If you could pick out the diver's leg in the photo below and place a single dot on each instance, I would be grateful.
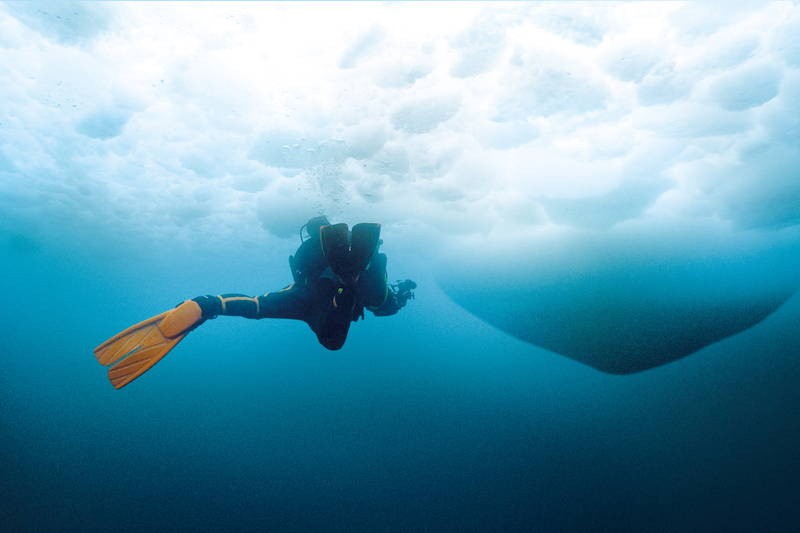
(332, 314)
(293, 302)
(312, 304)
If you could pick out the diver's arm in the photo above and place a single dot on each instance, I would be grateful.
(397, 296)
(390, 306)
(377, 295)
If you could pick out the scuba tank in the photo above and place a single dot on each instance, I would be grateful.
(308, 261)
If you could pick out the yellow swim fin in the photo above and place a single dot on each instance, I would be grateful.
(139, 347)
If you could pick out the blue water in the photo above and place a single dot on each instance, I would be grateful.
(427, 421)
(615, 182)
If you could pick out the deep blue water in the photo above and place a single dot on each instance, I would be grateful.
(617, 183)
(426, 421)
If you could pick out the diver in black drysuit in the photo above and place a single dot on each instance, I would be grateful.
(325, 294)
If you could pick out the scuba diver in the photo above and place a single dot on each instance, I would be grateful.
(337, 274)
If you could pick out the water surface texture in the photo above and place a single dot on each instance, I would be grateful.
(600, 203)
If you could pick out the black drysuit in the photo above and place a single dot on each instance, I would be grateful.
(317, 296)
